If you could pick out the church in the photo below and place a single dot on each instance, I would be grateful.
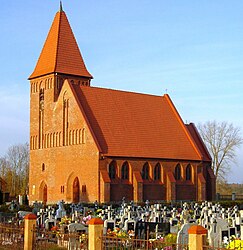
(92, 144)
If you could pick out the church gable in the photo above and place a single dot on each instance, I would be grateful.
(75, 129)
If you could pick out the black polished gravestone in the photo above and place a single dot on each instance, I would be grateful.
(110, 225)
(225, 233)
(144, 229)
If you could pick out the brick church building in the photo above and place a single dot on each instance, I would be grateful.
(89, 143)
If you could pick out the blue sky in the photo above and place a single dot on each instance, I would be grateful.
(192, 50)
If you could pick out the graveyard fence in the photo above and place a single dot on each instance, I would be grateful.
(229, 197)
(233, 245)
(43, 239)
(11, 237)
(116, 243)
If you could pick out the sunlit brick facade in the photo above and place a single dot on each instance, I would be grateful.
(89, 143)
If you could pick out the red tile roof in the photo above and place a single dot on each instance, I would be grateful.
(136, 125)
(199, 142)
(60, 53)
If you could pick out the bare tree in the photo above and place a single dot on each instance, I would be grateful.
(16, 163)
(222, 139)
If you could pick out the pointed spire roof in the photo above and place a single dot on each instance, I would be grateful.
(60, 53)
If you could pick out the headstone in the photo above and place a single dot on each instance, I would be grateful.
(61, 212)
(182, 236)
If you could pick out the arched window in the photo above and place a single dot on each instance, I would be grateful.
(60, 139)
(51, 140)
(112, 170)
(43, 167)
(76, 137)
(80, 136)
(125, 171)
(76, 190)
(73, 137)
(48, 140)
(70, 137)
(178, 172)
(54, 139)
(145, 171)
(188, 172)
(83, 136)
(157, 172)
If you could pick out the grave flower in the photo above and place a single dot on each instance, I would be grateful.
(65, 220)
(131, 233)
(86, 219)
(235, 244)
(225, 241)
(54, 229)
(122, 234)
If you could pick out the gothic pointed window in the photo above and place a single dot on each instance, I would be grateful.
(157, 172)
(41, 117)
(188, 172)
(76, 190)
(125, 171)
(41, 98)
(112, 170)
(65, 121)
(145, 171)
(83, 136)
(178, 172)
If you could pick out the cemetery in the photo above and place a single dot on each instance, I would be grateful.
(126, 225)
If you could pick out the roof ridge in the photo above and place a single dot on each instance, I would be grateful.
(183, 125)
(125, 91)
(58, 35)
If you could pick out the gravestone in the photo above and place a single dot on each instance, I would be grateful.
(61, 212)
(182, 236)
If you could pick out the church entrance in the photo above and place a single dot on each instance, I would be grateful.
(76, 190)
(44, 194)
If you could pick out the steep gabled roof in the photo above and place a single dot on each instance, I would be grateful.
(199, 142)
(60, 53)
(136, 125)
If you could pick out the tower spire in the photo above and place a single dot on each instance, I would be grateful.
(61, 10)
(60, 53)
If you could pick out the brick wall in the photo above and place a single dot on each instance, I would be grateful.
(54, 164)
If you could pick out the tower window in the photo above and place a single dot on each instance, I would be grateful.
(41, 99)
(43, 167)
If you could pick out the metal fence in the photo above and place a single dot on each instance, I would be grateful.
(44, 239)
(233, 245)
(116, 243)
(11, 237)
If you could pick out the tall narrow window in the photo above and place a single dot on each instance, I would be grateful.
(125, 171)
(41, 117)
(83, 136)
(65, 122)
(112, 170)
(157, 172)
(188, 172)
(145, 171)
(76, 190)
(178, 172)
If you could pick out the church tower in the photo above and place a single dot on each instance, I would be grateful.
(60, 59)
(52, 128)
